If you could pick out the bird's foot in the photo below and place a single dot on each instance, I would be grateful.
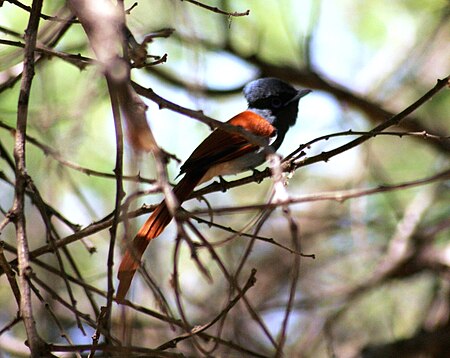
(223, 183)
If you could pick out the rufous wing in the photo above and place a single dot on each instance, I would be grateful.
(222, 146)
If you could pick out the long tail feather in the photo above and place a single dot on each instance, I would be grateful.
(152, 228)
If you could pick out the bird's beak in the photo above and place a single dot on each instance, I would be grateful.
(301, 93)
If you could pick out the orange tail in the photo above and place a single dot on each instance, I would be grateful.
(154, 226)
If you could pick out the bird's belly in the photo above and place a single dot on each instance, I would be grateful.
(235, 166)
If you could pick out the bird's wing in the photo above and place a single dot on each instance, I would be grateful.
(222, 146)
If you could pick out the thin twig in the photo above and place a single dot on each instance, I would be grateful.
(97, 334)
(51, 239)
(86, 317)
(9, 274)
(52, 313)
(118, 171)
(325, 156)
(47, 150)
(240, 233)
(217, 10)
(198, 115)
(199, 329)
(298, 152)
(233, 284)
(42, 16)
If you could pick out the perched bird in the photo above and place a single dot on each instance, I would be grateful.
(272, 110)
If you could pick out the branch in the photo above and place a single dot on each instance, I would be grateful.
(309, 79)
(6, 267)
(103, 24)
(198, 115)
(199, 329)
(299, 151)
(314, 80)
(217, 10)
(35, 343)
(50, 41)
(325, 156)
(281, 194)
(42, 16)
(118, 171)
(421, 344)
(339, 196)
(56, 155)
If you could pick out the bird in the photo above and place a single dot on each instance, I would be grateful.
(272, 110)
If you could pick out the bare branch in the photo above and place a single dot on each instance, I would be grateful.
(217, 10)
(18, 209)
(339, 196)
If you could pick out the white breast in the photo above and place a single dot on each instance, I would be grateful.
(235, 166)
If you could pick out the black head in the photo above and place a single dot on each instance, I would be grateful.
(275, 100)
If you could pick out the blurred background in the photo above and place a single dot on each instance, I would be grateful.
(379, 283)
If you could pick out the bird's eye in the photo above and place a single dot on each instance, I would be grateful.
(276, 102)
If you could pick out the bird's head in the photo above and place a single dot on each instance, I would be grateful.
(275, 100)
